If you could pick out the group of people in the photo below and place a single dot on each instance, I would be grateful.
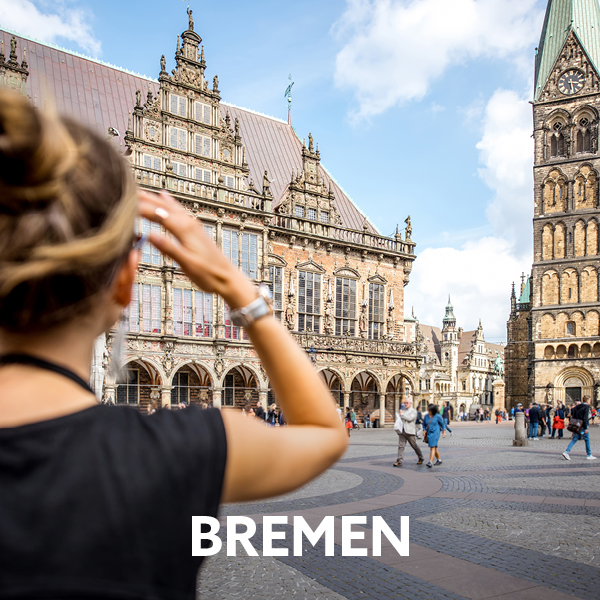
(548, 421)
(272, 416)
(434, 425)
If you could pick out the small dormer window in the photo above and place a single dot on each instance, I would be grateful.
(324, 217)
(312, 214)
(299, 212)
(203, 113)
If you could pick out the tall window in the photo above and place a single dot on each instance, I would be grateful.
(128, 393)
(150, 254)
(229, 390)
(231, 331)
(203, 145)
(203, 113)
(229, 181)
(151, 314)
(203, 175)
(181, 389)
(178, 138)
(571, 328)
(179, 105)
(179, 169)
(345, 306)
(132, 312)
(192, 313)
(152, 162)
(276, 286)
(242, 250)
(376, 310)
(309, 302)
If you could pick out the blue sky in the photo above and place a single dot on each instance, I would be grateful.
(420, 107)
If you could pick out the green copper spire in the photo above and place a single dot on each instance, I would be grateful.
(562, 16)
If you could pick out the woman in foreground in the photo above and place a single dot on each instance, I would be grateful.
(433, 426)
(96, 501)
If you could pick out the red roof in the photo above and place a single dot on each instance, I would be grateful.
(102, 96)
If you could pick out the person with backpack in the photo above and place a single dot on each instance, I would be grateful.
(579, 424)
(406, 428)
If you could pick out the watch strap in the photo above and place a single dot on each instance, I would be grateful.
(245, 316)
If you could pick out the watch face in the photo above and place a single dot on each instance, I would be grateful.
(571, 82)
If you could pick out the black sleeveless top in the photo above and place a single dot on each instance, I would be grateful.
(98, 504)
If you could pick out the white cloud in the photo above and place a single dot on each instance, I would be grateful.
(394, 49)
(62, 22)
(478, 277)
(479, 274)
(506, 152)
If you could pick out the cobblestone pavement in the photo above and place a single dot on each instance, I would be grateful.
(494, 521)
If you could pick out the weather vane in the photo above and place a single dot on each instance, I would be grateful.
(288, 95)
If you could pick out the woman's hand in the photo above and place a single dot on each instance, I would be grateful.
(197, 254)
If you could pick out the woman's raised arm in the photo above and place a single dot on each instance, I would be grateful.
(261, 461)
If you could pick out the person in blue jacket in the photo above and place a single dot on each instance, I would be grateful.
(433, 425)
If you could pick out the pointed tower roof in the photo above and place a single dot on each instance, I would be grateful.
(449, 318)
(562, 16)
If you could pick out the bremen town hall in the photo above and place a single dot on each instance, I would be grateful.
(553, 350)
(265, 198)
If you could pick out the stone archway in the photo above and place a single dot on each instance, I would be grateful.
(572, 384)
(364, 396)
(334, 383)
(240, 388)
(141, 385)
(191, 384)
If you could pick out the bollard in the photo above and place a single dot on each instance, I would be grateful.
(520, 430)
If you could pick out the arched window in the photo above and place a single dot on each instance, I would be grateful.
(553, 146)
(580, 141)
(571, 328)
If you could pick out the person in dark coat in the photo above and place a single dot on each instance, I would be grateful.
(535, 417)
(260, 411)
(581, 411)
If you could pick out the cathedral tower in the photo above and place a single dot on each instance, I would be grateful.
(450, 342)
(564, 333)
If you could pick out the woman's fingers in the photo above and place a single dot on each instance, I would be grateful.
(168, 247)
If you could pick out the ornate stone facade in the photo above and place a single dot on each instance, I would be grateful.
(553, 348)
(457, 366)
(337, 284)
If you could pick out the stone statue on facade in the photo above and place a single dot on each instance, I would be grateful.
(190, 19)
(329, 318)
(138, 98)
(498, 366)
(290, 314)
(215, 84)
(390, 325)
(163, 64)
(363, 321)
(408, 228)
(266, 184)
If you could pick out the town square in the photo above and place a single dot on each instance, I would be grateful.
(332, 265)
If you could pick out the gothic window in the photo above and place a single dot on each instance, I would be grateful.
(324, 217)
(299, 212)
(309, 301)
(132, 312)
(151, 314)
(202, 145)
(178, 105)
(312, 214)
(203, 175)
(249, 254)
(128, 393)
(557, 141)
(345, 306)
(231, 246)
(376, 310)
(192, 313)
(181, 389)
(571, 328)
(152, 162)
(150, 254)
(203, 113)
(178, 138)
(276, 287)
(179, 169)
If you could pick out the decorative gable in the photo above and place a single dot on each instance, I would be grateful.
(310, 265)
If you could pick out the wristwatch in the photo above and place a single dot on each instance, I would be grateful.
(257, 309)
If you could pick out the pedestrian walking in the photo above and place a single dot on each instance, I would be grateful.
(259, 412)
(447, 414)
(367, 421)
(348, 422)
(272, 415)
(353, 419)
(579, 425)
(433, 426)
(406, 428)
